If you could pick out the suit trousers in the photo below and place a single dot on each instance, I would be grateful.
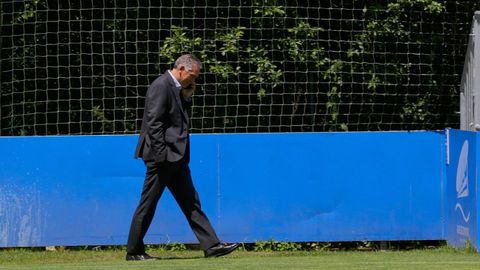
(177, 178)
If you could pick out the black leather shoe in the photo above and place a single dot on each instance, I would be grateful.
(220, 249)
(141, 257)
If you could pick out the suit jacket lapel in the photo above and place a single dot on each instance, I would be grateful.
(177, 95)
(179, 102)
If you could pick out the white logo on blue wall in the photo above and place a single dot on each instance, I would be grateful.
(462, 180)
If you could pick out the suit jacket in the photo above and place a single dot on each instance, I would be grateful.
(164, 133)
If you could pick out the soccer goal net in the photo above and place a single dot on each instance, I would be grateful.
(83, 67)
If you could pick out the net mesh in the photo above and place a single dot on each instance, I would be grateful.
(83, 67)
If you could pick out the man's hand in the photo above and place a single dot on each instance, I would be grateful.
(187, 92)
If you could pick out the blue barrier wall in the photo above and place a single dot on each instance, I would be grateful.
(82, 190)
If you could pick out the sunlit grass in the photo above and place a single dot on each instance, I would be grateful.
(437, 258)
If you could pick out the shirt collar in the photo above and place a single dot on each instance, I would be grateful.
(177, 84)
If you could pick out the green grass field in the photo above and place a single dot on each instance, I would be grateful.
(438, 258)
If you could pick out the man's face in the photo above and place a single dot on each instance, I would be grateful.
(188, 77)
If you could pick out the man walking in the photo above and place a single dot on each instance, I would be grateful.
(164, 147)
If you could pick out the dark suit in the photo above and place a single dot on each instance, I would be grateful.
(164, 146)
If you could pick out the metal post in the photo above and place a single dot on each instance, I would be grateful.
(470, 85)
(475, 76)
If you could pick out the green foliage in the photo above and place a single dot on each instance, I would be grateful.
(305, 30)
(230, 40)
(333, 75)
(272, 245)
(470, 248)
(223, 70)
(300, 46)
(395, 22)
(265, 71)
(178, 43)
(176, 247)
(268, 8)
(416, 111)
(29, 10)
(98, 113)
(429, 6)
(230, 46)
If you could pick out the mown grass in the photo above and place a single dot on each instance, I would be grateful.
(437, 258)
